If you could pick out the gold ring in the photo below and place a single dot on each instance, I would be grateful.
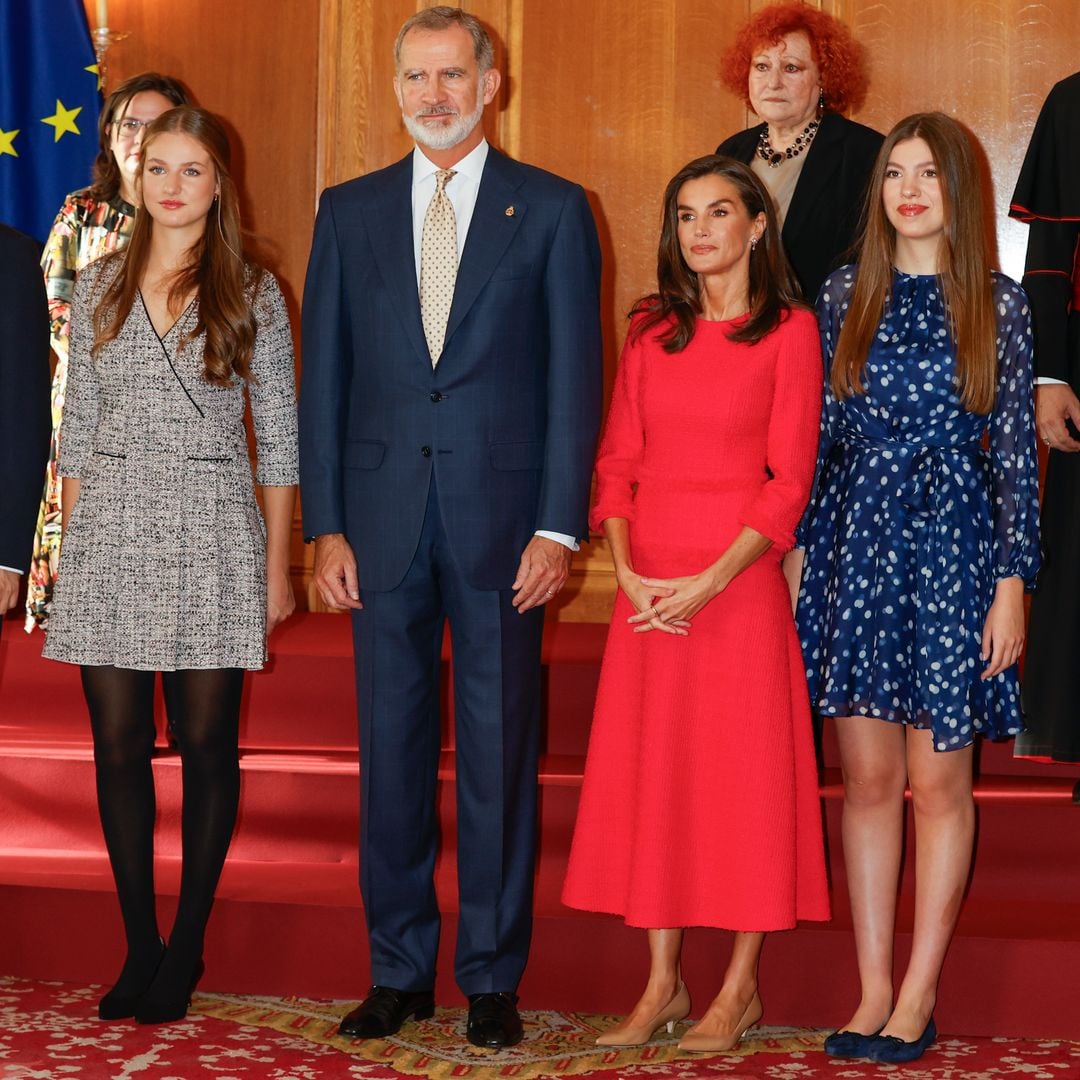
(655, 612)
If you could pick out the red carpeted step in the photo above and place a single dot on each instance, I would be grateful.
(304, 700)
(289, 919)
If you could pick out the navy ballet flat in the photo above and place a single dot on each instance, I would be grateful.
(889, 1050)
(849, 1044)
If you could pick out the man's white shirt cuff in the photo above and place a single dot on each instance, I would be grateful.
(561, 538)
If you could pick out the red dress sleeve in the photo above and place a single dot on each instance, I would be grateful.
(623, 442)
(793, 432)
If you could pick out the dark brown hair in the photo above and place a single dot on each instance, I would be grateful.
(106, 181)
(964, 265)
(772, 287)
(217, 271)
(838, 55)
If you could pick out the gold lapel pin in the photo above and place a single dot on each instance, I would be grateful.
(509, 211)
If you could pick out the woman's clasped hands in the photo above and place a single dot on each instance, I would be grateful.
(668, 604)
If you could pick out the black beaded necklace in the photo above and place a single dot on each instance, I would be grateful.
(776, 158)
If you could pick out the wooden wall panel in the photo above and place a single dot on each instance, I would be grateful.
(618, 97)
(256, 64)
(989, 63)
(344, 90)
(612, 94)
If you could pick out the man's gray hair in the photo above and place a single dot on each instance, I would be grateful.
(442, 18)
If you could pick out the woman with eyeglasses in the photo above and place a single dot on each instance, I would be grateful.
(92, 222)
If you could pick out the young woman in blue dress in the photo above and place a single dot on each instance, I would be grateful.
(918, 544)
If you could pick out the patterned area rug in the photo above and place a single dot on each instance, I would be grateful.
(49, 1031)
(556, 1044)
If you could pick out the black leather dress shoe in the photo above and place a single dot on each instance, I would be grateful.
(384, 1010)
(494, 1020)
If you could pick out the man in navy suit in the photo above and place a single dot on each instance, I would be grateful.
(449, 408)
(24, 405)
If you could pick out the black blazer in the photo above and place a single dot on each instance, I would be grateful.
(1047, 197)
(823, 218)
(24, 394)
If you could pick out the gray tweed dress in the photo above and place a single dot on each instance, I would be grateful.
(163, 565)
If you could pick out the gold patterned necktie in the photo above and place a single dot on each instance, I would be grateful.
(438, 265)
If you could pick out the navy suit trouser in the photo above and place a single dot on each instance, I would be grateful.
(496, 665)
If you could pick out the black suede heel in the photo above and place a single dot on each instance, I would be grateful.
(165, 1010)
(114, 1006)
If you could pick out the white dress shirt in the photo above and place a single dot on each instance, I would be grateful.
(461, 190)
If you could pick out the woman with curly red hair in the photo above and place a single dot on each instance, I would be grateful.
(799, 69)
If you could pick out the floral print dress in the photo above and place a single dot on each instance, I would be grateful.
(920, 508)
(84, 230)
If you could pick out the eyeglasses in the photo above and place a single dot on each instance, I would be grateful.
(129, 126)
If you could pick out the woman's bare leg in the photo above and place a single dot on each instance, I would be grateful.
(739, 989)
(873, 758)
(665, 982)
(944, 836)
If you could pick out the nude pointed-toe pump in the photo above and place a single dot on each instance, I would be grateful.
(718, 1044)
(678, 1008)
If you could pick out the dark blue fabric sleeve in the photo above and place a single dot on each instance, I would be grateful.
(1014, 464)
(832, 305)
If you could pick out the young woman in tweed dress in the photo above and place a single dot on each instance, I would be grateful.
(167, 564)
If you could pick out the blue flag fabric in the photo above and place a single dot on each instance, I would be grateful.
(49, 105)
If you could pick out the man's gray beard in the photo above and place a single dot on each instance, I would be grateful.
(446, 135)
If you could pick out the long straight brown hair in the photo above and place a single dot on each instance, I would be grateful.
(772, 287)
(964, 266)
(218, 272)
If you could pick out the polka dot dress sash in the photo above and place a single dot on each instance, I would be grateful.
(944, 489)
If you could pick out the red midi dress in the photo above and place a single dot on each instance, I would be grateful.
(700, 801)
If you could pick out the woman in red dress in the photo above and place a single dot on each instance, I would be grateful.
(700, 801)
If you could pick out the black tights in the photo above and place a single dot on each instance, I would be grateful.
(204, 709)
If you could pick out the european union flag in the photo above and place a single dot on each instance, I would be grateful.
(49, 104)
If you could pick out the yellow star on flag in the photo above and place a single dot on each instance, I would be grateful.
(7, 141)
(63, 120)
(95, 69)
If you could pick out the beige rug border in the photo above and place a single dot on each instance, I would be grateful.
(317, 1022)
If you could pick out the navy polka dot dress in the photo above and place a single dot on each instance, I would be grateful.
(913, 520)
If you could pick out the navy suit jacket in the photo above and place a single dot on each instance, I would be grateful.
(24, 394)
(506, 424)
